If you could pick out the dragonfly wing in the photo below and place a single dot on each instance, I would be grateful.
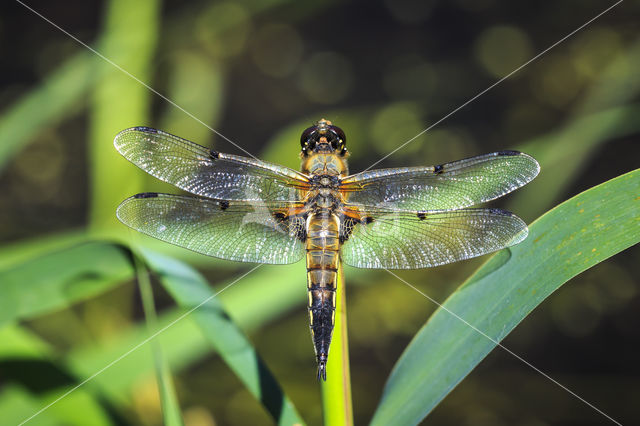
(205, 172)
(448, 186)
(383, 238)
(232, 230)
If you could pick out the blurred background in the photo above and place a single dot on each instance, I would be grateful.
(259, 72)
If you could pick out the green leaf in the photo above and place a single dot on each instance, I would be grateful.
(123, 362)
(54, 280)
(21, 251)
(59, 279)
(191, 291)
(567, 240)
(18, 405)
(168, 399)
(119, 101)
(23, 394)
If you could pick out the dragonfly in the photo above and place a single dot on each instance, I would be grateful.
(248, 210)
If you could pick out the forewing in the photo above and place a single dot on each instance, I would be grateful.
(234, 230)
(448, 186)
(205, 172)
(408, 240)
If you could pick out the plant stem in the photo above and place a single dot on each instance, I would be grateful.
(168, 399)
(336, 391)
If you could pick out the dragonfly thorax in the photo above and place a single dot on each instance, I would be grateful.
(324, 200)
(324, 164)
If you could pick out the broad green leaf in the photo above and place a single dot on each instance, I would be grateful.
(567, 240)
(24, 393)
(113, 370)
(19, 342)
(24, 250)
(18, 405)
(59, 279)
(192, 292)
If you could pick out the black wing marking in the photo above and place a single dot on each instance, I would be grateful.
(232, 230)
(394, 239)
(448, 186)
(205, 172)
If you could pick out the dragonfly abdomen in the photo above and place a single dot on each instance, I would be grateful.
(322, 245)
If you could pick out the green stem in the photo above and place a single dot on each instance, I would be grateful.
(336, 391)
(168, 399)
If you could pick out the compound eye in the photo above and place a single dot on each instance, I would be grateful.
(338, 131)
(304, 138)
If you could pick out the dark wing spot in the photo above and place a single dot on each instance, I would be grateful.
(214, 154)
(293, 225)
(422, 215)
(508, 152)
(438, 169)
(301, 233)
(501, 212)
(366, 220)
(346, 228)
(224, 204)
(145, 129)
(146, 195)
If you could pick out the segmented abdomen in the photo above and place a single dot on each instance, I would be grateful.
(322, 246)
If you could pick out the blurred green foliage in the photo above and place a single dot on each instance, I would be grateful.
(260, 72)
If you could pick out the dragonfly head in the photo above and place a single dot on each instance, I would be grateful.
(323, 137)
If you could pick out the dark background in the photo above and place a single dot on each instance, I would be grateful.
(259, 73)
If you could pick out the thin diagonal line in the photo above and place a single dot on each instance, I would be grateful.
(136, 79)
(91, 377)
(494, 84)
(506, 349)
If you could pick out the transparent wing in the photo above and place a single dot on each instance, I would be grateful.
(205, 172)
(408, 240)
(235, 230)
(445, 187)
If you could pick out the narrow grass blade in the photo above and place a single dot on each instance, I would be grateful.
(567, 240)
(189, 289)
(171, 414)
